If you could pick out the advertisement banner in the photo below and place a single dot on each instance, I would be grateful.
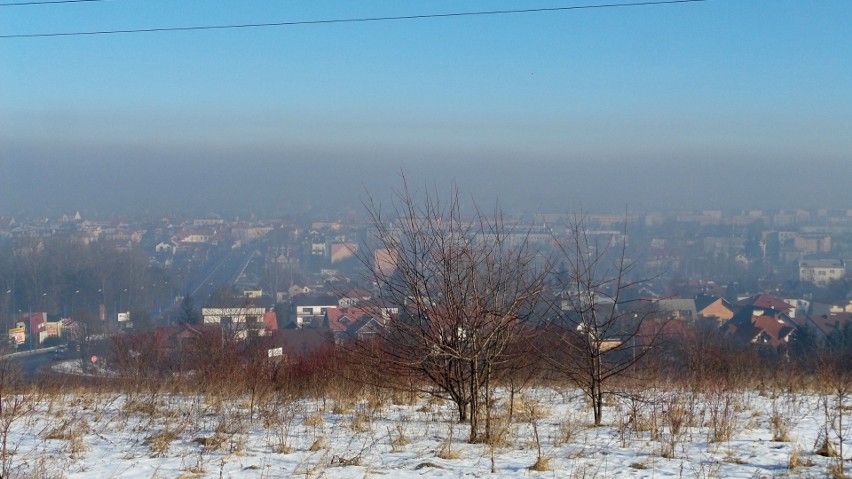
(19, 335)
(52, 329)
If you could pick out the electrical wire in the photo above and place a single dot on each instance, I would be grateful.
(350, 20)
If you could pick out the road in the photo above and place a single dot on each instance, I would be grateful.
(225, 272)
(30, 363)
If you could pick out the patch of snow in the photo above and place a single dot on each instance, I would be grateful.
(111, 435)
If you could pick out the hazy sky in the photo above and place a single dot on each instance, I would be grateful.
(723, 103)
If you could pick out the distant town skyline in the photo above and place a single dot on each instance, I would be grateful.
(702, 105)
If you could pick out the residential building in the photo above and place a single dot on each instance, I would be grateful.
(310, 308)
(243, 322)
(820, 272)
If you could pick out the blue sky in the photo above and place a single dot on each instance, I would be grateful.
(733, 81)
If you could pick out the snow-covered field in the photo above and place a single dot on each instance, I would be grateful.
(650, 433)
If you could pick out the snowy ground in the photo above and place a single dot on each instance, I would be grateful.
(655, 433)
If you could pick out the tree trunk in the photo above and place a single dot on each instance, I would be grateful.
(474, 404)
(597, 388)
(462, 408)
(598, 406)
(488, 404)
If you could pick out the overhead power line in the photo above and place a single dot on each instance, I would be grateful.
(49, 2)
(352, 20)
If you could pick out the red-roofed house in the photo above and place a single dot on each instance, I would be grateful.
(353, 322)
(825, 325)
(765, 301)
(270, 319)
(762, 320)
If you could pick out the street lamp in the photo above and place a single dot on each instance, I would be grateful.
(9, 309)
(73, 296)
(120, 303)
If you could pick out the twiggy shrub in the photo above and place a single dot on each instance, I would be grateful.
(361, 421)
(722, 406)
(73, 430)
(567, 430)
(796, 461)
(824, 447)
(279, 421)
(343, 461)
(160, 441)
(343, 406)
(398, 438)
(15, 405)
(781, 421)
(678, 417)
(542, 463)
(498, 434)
(835, 471)
(446, 451)
(139, 406)
(534, 411)
(318, 444)
(314, 420)
(780, 427)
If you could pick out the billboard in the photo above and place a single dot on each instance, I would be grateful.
(52, 329)
(123, 317)
(19, 335)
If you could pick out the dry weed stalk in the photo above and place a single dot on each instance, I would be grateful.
(160, 441)
(73, 430)
(399, 439)
(361, 421)
(542, 463)
(796, 461)
(534, 411)
(838, 378)
(567, 429)
(446, 451)
(280, 420)
(722, 405)
(679, 414)
(15, 404)
(319, 443)
(784, 409)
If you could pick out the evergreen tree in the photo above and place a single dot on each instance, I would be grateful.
(188, 313)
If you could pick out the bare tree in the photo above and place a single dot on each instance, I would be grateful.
(600, 332)
(89, 333)
(462, 288)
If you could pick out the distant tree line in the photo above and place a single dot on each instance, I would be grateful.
(65, 277)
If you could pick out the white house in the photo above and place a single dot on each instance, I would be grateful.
(310, 309)
(241, 321)
(821, 271)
